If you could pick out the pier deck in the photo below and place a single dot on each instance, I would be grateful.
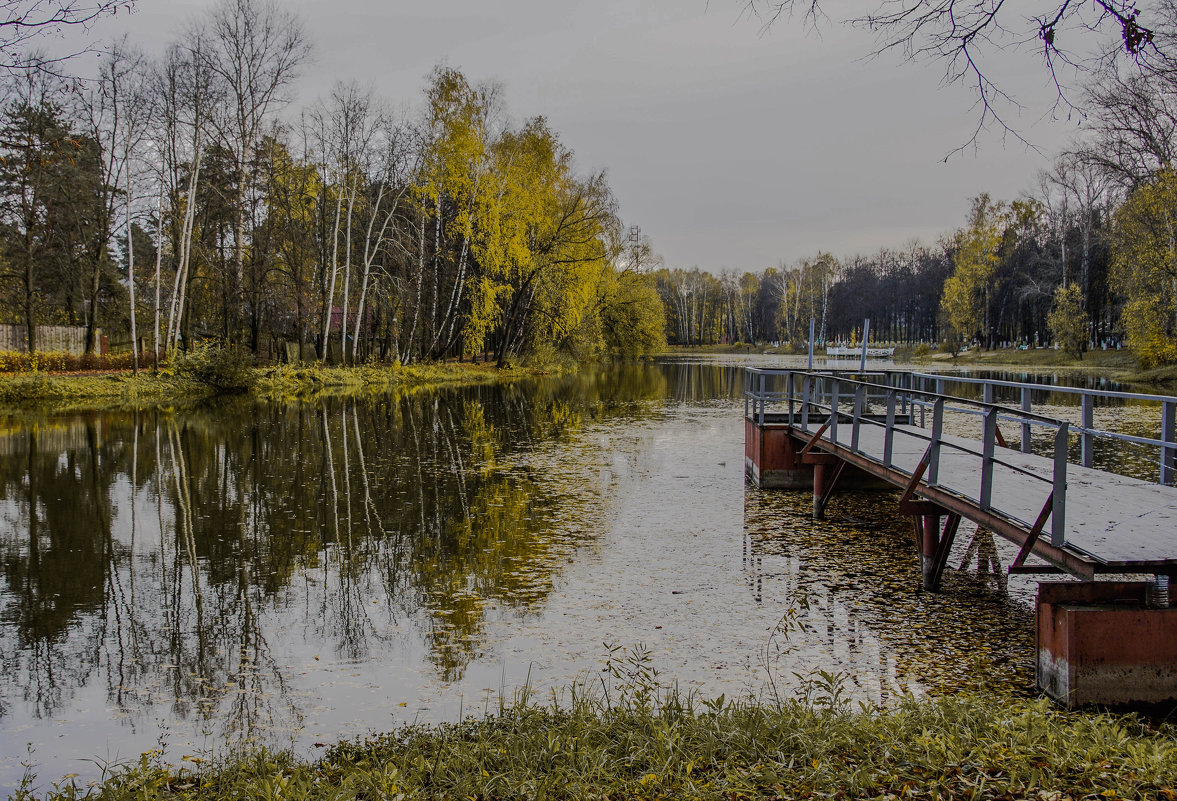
(1097, 639)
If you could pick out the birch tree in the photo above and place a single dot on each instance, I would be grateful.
(186, 92)
(255, 49)
(343, 128)
(117, 111)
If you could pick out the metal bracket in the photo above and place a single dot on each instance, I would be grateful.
(916, 475)
(813, 441)
(1032, 537)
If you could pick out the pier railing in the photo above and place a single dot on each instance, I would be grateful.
(868, 413)
(1085, 430)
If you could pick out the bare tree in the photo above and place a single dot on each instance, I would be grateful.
(392, 182)
(1132, 126)
(25, 24)
(116, 112)
(1074, 39)
(343, 128)
(255, 50)
(186, 91)
(1087, 189)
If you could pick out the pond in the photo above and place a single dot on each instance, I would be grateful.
(294, 573)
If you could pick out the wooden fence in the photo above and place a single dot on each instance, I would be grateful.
(57, 338)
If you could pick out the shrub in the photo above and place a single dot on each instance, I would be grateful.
(61, 362)
(922, 349)
(36, 387)
(224, 368)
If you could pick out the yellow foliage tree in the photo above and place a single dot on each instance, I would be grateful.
(1144, 268)
(1067, 321)
(977, 256)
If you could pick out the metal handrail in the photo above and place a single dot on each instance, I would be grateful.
(1166, 443)
(813, 392)
(1099, 393)
(1085, 429)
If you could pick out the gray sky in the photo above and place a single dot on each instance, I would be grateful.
(732, 148)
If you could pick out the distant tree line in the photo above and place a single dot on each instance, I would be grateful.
(899, 290)
(171, 200)
(1086, 256)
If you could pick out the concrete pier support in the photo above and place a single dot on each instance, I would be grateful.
(771, 458)
(1106, 643)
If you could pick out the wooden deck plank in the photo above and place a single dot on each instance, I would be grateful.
(1113, 519)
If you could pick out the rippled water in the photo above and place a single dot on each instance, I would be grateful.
(295, 573)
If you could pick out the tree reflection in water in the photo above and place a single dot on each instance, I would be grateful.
(189, 562)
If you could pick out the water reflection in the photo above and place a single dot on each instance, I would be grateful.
(170, 559)
(295, 571)
(859, 575)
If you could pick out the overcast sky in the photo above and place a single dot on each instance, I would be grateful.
(731, 147)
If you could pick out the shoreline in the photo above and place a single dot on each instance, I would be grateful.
(64, 392)
(90, 390)
(1120, 366)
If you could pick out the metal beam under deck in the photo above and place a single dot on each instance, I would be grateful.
(1069, 562)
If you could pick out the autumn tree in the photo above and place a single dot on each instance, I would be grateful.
(978, 253)
(1067, 321)
(1144, 268)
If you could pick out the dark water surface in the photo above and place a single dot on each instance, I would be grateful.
(291, 574)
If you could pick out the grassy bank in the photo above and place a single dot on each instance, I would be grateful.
(1119, 365)
(64, 391)
(1102, 361)
(948, 748)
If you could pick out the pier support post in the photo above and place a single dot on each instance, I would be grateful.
(826, 472)
(929, 544)
(820, 493)
(933, 543)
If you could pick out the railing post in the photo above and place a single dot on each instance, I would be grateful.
(859, 403)
(1086, 439)
(1169, 437)
(1025, 425)
(937, 433)
(987, 393)
(923, 402)
(763, 399)
(1058, 512)
(806, 385)
(835, 391)
(889, 430)
(789, 392)
(988, 443)
(747, 391)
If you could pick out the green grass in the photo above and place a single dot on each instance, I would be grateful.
(64, 391)
(1121, 361)
(47, 390)
(817, 747)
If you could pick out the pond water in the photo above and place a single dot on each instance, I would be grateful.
(295, 573)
